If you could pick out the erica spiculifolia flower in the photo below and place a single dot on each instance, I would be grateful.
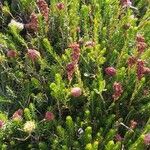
(133, 124)
(140, 38)
(29, 126)
(18, 114)
(33, 54)
(74, 46)
(126, 3)
(140, 43)
(76, 92)
(117, 90)
(70, 70)
(49, 116)
(1, 123)
(141, 46)
(75, 52)
(74, 60)
(43, 7)
(33, 24)
(132, 61)
(140, 69)
(11, 54)
(110, 71)
(60, 6)
(147, 139)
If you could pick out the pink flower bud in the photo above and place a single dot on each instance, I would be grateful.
(60, 6)
(110, 71)
(1, 123)
(147, 139)
(76, 92)
(49, 116)
(11, 54)
(33, 54)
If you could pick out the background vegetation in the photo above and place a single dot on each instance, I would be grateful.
(74, 74)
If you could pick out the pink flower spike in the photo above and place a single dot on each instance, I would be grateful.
(33, 54)
(117, 90)
(132, 61)
(74, 46)
(70, 70)
(140, 69)
(49, 116)
(140, 38)
(110, 71)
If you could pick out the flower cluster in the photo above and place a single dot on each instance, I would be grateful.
(132, 61)
(76, 92)
(33, 24)
(118, 90)
(44, 9)
(29, 126)
(111, 71)
(74, 60)
(141, 69)
(140, 43)
(33, 54)
(18, 25)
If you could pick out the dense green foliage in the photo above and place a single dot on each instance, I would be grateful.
(47, 48)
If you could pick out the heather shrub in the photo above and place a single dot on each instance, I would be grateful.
(75, 75)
